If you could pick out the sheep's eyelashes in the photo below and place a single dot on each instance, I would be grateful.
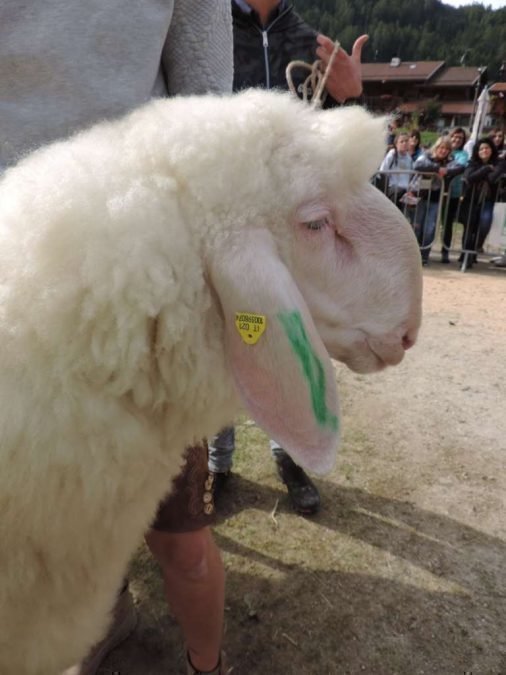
(317, 224)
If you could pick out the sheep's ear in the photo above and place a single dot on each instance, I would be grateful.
(281, 367)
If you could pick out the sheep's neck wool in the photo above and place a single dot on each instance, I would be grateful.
(250, 326)
(311, 367)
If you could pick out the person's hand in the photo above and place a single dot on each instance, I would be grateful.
(442, 172)
(345, 78)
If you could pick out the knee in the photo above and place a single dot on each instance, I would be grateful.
(182, 555)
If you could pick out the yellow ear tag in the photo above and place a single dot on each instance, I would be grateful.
(250, 326)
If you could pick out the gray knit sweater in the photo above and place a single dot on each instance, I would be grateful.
(65, 64)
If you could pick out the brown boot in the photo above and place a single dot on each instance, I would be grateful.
(124, 621)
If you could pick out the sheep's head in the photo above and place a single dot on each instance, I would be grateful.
(359, 273)
(326, 265)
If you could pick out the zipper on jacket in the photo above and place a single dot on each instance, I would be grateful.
(265, 45)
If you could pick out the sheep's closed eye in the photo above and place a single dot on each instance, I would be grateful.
(317, 224)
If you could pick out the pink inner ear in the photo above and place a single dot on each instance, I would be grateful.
(272, 385)
(290, 422)
(272, 377)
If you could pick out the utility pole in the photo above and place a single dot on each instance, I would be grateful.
(476, 92)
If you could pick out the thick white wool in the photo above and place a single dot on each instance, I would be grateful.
(112, 338)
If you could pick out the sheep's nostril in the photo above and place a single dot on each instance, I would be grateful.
(407, 342)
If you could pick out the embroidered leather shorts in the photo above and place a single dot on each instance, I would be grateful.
(189, 506)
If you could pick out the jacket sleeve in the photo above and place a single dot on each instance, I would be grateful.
(198, 53)
(500, 170)
(426, 164)
(454, 168)
(387, 162)
(476, 172)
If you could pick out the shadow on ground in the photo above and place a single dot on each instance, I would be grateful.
(320, 617)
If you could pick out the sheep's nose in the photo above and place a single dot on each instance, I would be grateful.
(407, 342)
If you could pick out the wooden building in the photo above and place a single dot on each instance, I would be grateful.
(436, 95)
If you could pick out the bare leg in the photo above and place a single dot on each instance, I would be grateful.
(194, 580)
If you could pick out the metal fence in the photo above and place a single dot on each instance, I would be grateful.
(459, 221)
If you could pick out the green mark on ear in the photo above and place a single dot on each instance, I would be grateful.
(311, 367)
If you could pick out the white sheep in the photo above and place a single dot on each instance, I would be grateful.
(150, 269)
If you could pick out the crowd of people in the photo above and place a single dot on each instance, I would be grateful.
(415, 178)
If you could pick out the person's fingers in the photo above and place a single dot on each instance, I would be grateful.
(326, 48)
(325, 42)
(344, 76)
(324, 55)
(356, 52)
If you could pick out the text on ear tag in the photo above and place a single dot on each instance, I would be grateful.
(250, 326)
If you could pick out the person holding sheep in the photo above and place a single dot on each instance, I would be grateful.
(65, 65)
(268, 34)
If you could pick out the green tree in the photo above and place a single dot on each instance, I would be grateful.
(414, 29)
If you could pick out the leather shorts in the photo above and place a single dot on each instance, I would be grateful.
(189, 506)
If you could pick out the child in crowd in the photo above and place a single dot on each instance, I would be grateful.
(396, 159)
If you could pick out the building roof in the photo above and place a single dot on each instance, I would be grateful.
(400, 71)
(457, 76)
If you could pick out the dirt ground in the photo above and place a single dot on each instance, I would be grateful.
(403, 571)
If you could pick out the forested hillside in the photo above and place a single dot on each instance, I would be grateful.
(414, 29)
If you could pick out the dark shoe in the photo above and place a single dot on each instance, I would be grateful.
(124, 622)
(425, 262)
(445, 258)
(301, 489)
(220, 480)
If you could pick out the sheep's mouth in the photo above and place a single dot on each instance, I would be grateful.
(363, 360)
(385, 354)
(369, 363)
(365, 353)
